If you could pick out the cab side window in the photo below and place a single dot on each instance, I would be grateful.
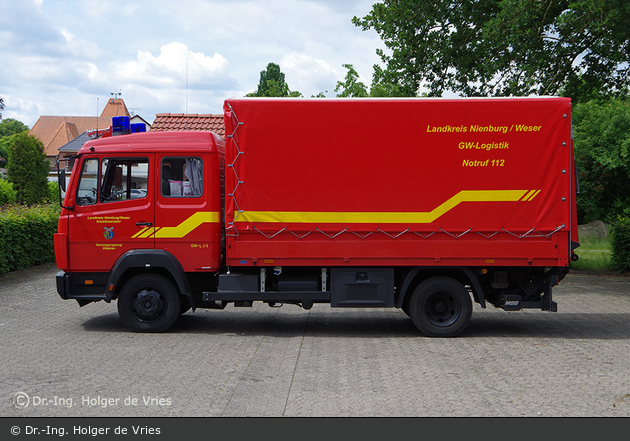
(123, 179)
(87, 193)
(182, 177)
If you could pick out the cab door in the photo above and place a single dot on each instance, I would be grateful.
(187, 219)
(113, 210)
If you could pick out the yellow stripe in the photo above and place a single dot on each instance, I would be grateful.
(188, 225)
(533, 195)
(141, 233)
(383, 217)
(144, 233)
(528, 195)
(148, 233)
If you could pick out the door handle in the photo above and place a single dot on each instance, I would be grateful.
(144, 224)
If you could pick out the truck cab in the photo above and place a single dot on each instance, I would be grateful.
(150, 201)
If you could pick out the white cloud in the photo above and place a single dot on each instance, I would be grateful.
(79, 48)
(308, 75)
(58, 56)
(21, 109)
(175, 65)
(95, 9)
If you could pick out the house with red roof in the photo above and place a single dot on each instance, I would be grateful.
(57, 131)
(63, 136)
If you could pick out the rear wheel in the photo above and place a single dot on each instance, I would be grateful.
(149, 303)
(440, 307)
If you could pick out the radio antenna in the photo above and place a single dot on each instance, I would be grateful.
(97, 118)
(186, 86)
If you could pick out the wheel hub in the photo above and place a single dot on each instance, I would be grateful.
(439, 307)
(148, 305)
(442, 309)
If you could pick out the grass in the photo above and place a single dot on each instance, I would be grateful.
(594, 254)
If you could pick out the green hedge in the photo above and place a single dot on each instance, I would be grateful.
(621, 245)
(7, 193)
(26, 236)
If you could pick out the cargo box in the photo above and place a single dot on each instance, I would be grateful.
(347, 182)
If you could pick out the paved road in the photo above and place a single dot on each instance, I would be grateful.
(68, 361)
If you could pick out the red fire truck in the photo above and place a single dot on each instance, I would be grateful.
(418, 204)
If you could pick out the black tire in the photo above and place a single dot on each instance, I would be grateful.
(149, 303)
(440, 307)
(405, 307)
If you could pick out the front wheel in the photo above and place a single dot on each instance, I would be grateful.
(440, 307)
(149, 303)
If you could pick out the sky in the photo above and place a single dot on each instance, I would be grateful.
(67, 57)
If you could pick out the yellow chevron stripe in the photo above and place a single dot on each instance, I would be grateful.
(386, 217)
(199, 218)
(148, 232)
(187, 226)
(144, 233)
(531, 196)
(528, 195)
(180, 230)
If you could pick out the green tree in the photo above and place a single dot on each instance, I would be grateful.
(28, 169)
(273, 84)
(4, 150)
(602, 151)
(8, 127)
(351, 87)
(382, 86)
(11, 126)
(502, 47)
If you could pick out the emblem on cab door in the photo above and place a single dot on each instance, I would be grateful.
(108, 233)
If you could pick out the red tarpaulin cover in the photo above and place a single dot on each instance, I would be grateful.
(321, 178)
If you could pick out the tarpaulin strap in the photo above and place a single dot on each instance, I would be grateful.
(424, 236)
(270, 236)
(237, 180)
(456, 236)
(332, 236)
(538, 234)
(362, 236)
(487, 236)
(300, 236)
(392, 235)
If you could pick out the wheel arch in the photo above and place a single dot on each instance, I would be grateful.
(415, 276)
(135, 262)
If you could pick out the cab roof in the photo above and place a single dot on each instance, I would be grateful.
(154, 142)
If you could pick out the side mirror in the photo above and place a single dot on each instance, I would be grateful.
(61, 180)
(61, 177)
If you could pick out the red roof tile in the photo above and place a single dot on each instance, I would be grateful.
(169, 122)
